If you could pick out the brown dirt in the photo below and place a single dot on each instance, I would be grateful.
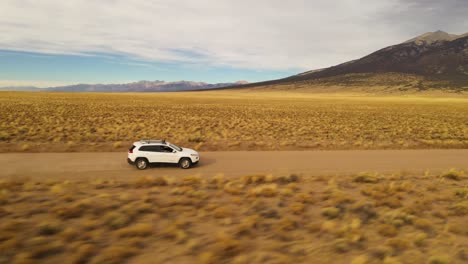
(86, 166)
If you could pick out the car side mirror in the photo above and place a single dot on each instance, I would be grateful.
(173, 151)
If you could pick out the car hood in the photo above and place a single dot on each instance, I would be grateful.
(189, 151)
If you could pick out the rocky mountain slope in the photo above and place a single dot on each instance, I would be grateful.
(436, 57)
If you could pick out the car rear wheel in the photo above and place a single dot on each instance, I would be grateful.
(141, 163)
(185, 163)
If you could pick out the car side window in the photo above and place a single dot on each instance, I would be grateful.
(150, 148)
(166, 149)
(144, 148)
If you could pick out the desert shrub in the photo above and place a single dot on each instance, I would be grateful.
(304, 198)
(233, 188)
(381, 252)
(286, 192)
(365, 210)
(253, 179)
(25, 147)
(117, 144)
(217, 180)
(366, 177)
(181, 190)
(424, 224)
(362, 259)
(222, 212)
(207, 257)
(49, 228)
(459, 229)
(143, 208)
(267, 190)
(9, 244)
(453, 174)
(114, 254)
(391, 201)
(247, 225)
(313, 227)
(191, 181)
(342, 245)
(398, 244)
(146, 182)
(69, 234)
(41, 247)
(462, 192)
(460, 208)
(387, 230)
(137, 230)
(297, 208)
(339, 198)
(3, 212)
(73, 211)
(287, 224)
(285, 179)
(83, 253)
(174, 233)
(420, 240)
(196, 139)
(398, 218)
(226, 246)
(115, 220)
(331, 212)
(4, 135)
(442, 259)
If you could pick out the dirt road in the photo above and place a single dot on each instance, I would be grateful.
(84, 166)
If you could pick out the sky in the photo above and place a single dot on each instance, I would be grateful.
(55, 42)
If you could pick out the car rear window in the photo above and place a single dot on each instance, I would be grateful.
(132, 147)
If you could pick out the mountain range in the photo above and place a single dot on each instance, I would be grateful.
(141, 86)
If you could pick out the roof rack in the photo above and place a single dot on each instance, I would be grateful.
(152, 141)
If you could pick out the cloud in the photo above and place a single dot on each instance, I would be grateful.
(262, 34)
(35, 83)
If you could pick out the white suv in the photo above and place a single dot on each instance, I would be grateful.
(144, 152)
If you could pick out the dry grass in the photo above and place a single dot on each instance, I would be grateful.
(232, 120)
(236, 220)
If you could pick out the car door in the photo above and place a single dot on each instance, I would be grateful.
(152, 153)
(168, 154)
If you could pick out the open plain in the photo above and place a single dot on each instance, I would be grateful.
(230, 120)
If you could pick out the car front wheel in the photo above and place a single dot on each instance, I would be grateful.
(185, 163)
(141, 164)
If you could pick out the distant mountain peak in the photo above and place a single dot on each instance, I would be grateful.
(431, 37)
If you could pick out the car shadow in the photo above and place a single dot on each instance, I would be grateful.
(201, 163)
(206, 162)
(163, 165)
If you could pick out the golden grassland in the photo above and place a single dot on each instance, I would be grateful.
(375, 83)
(230, 120)
(363, 218)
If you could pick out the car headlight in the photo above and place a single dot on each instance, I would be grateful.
(194, 155)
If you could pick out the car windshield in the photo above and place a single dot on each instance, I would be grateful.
(174, 146)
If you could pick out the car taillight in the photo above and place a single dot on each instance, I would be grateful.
(130, 151)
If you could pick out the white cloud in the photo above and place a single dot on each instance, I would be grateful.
(36, 83)
(262, 34)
